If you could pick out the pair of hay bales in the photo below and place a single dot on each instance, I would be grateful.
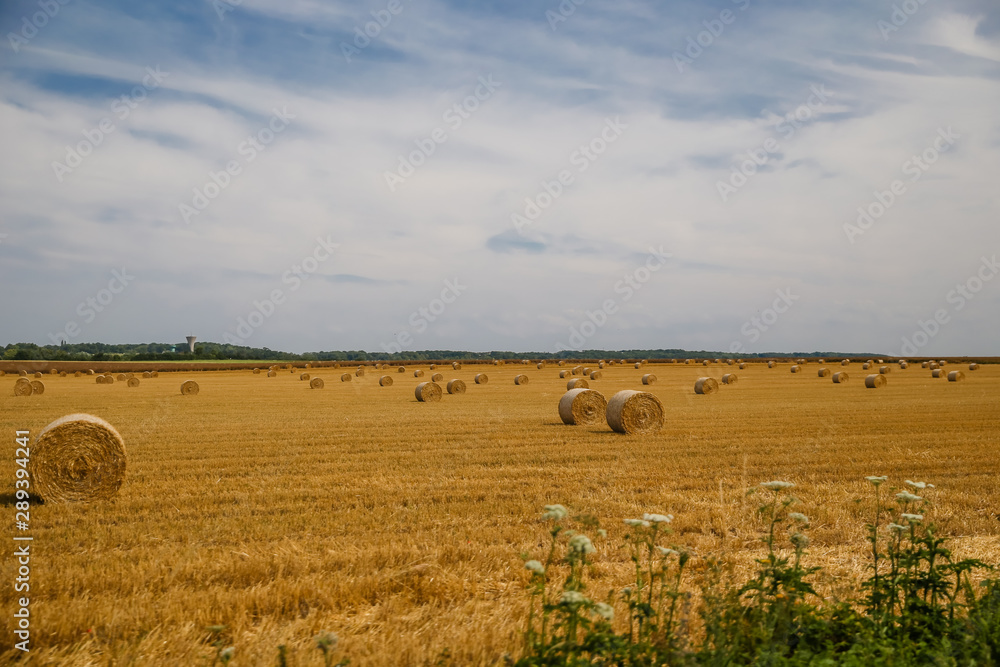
(429, 392)
(628, 411)
(26, 387)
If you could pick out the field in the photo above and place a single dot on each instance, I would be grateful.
(280, 511)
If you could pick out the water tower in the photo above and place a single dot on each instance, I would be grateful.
(191, 340)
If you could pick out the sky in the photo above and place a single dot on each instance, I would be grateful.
(393, 175)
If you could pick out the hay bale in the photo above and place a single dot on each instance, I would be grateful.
(648, 378)
(433, 366)
(705, 363)
(521, 379)
(634, 412)
(418, 373)
(577, 383)
(496, 362)
(796, 368)
(875, 381)
(903, 365)
(973, 366)
(456, 366)
(190, 388)
(37, 387)
(455, 387)
(38, 376)
(934, 365)
(133, 382)
(579, 407)
(62, 374)
(155, 374)
(148, 375)
(706, 386)
(937, 373)
(109, 378)
(437, 377)
(272, 374)
(90, 371)
(956, 376)
(638, 365)
(482, 378)
(577, 370)
(256, 371)
(924, 364)
(360, 372)
(303, 376)
(600, 364)
(821, 361)
(942, 362)
(77, 458)
(840, 377)
(845, 362)
(121, 377)
(770, 364)
(865, 366)
(427, 392)
(823, 372)
(883, 370)
(402, 369)
(563, 374)
(729, 378)
(385, 381)
(316, 383)
(77, 374)
(346, 377)
(743, 365)
(23, 373)
(100, 379)
(539, 365)
(586, 371)
(596, 375)
(22, 387)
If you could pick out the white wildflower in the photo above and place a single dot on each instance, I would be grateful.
(777, 485)
(895, 527)
(572, 598)
(637, 522)
(912, 518)
(581, 544)
(658, 518)
(535, 567)
(556, 512)
(907, 497)
(798, 516)
(876, 480)
(799, 540)
(919, 485)
(605, 611)
(667, 552)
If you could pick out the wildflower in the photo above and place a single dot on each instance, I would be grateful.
(535, 567)
(777, 486)
(605, 611)
(667, 552)
(581, 544)
(798, 516)
(876, 480)
(658, 518)
(907, 497)
(895, 527)
(555, 512)
(912, 518)
(919, 485)
(572, 598)
(799, 540)
(637, 522)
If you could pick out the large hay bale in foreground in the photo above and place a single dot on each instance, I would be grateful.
(823, 372)
(427, 392)
(521, 379)
(937, 373)
(385, 381)
(706, 386)
(875, 381)
(37, 388)
(648, 378)
(455, 387)
(77, 458)
(190, 388)
(316, 383)
(482, 378)
(582, 406)
(346, 377)
(577, 383)
(634, 412)
(729, 378)
(956, 376)
(841, 377)
(22, 387)
(132, 382)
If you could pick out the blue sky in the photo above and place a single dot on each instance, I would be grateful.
(503, 175)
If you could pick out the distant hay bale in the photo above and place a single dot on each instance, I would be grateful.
(190, 388)
(304, 376)
(308, 365)
(840, 377)
(821, 361)
(62, 374)
(346, 377)
(634, 412)
(22, 387)
(360, 372)
(109, 378)
(579, 407)
(521, 379)
(577, 370)
(455, 387)
(903, 365)
(942, 362)
(638, 365)
(796, 368)
(648, 378)
(456, 366)
(121, 377)
(770, 364)
(77, 374)
(38, 376)
(37, 388)
(133, 382)
(865, 366)
(433, 366)
(418, 373)
(924, 364)
(539, 365)
(23, 373)
(934, 365)
(385, 381)
(577, 383)
(401, 369)
(100, 379)
(148, 375)
(875, 381)
(586, 371)
(90, 371)
(706, 386)
(729, 378)
(743, 365)
(496, 362)
(845, 362)
(437, 377)
(482, 378)
(562, 362)
(823, 372)
(687, 361)
(427, 392)
(316, 383)
(563, 374)
(596, 375)
(705, 363)
(956, 376)
(883, 370)
(937, 373)
(730, 362)
(272, 374)
(600, 364)
(973, 366)
(77, 458)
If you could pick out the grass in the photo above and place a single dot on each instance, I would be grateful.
(282, 513)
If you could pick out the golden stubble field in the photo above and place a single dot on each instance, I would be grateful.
(281, 511)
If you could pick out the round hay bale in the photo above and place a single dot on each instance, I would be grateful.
(23, 373)
(256, 371)
(100, 379)
(648, 378)
(934, 365)
(132, 382)
(577, 370)
(521, 379)
(956, 376)
(316, 383)
(937, 373)
(360, 372)
(401, 369)
(496, 362)
(924, 364)
(729, 378)
(973, 367)
(840, 377)
(121, 377)
(942, 362)
(563, 374)
(883, 370)
(109, 378)
(22, 388)
(581, 406)
(596, 375)
(77, 458)
(903, 365)
(38, 376)
(706, 386)
(385, 381)
(418, 373)
(90, 371)
(482, 378)
(456, 366)
(577, 383)
(427, 392)
(155, 374)
(865, 366)
(562, 362)
(638, 365)
(634, 412)
(456, 387)
(705, 363)
(821, 361)
(308, 365)
(539, 365)
(148, 375)
(62, 374)
(770, 364)
(796, 368)
(433, 366)
(190, 388)
(437, 377)
(303, 376)
(823, 372)
(37, 387)
(586, 371)
(272, 374)
(875, 381)
(845, 362)
(600, 364)
(743, 365)
(77, 374)
(346, 377)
